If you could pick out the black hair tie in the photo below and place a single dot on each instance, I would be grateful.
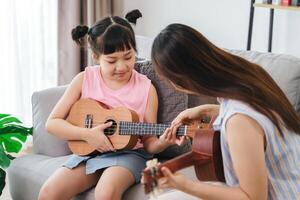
(133, 15)
(79, 32)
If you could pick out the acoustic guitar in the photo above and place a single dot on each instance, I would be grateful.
(205, 156)
(126, 128)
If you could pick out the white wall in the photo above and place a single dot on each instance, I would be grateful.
(224, 22)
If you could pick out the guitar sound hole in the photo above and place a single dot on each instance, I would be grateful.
(112, 129)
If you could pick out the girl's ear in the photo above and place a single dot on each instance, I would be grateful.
(95, 57)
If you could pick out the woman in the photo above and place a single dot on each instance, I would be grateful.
(259, 127)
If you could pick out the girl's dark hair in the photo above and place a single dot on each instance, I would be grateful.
(108, 35)
(187, 59)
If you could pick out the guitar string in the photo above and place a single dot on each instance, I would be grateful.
(137, 125)
(141, 128)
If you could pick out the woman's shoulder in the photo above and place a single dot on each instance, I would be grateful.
(236, 105)
(231, 107)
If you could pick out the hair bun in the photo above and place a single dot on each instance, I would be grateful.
(79, 32)
(133, 15)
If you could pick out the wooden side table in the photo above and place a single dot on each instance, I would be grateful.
(272, 7)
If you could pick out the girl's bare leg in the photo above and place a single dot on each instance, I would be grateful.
(113, 183)
(66, 183)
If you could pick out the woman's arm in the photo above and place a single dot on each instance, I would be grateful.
(196, 113)
(246, 145)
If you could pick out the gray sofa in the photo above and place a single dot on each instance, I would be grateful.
(27, 173)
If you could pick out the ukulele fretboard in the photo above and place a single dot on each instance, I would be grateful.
(131, 128)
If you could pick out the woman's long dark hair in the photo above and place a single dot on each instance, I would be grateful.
(186, 58)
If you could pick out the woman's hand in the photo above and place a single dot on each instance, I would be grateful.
(196, 113)
(97, 139)
(170, 180)
(169, 136)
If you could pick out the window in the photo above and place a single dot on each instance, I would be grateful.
(28, 58)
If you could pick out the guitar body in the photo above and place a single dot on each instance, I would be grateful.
(207, 142)
(205, 156)
(89, 113)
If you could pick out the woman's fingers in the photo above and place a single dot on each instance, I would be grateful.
(166, 172)
(184, 115)
(180, 140)
(177, 120)
(175, 128)
(169, 134)
(174, 133)
(163, 182)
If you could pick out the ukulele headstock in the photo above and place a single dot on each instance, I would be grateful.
(150, 176)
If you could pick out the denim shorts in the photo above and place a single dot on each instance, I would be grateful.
(133, 160)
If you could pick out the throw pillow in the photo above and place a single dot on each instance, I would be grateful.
(171, 103)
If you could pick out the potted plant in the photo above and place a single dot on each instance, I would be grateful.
(12, 137)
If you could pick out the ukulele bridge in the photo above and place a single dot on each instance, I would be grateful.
(88, 123)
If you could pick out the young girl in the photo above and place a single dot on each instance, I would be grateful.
(260, 129)
(115, 83)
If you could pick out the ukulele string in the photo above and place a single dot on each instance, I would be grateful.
(148, 129)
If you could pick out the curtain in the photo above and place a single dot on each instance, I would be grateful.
(28, 53)
(71, 58)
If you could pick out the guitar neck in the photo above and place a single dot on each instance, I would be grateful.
(132, 128)
(183, 161)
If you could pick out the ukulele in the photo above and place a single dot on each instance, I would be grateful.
(125, 129)
(205, 156)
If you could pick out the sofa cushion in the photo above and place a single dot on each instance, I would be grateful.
(27, 174)
(170, 104)
(42, 104)
(284, 69)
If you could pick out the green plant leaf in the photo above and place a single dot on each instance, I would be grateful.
(4, 160)
(12, 136)
(10, 157)
(2, 180)
(8, 119)
(12, 142)
(15, 128)
(3, 115)
(12, 133)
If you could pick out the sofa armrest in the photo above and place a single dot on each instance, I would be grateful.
(42, 104)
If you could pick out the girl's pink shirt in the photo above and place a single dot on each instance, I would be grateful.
(133, 95)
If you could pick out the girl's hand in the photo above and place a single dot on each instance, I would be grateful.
(97, 139)
(169, 136)
(170, 180)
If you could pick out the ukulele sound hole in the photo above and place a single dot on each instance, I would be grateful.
(112, 129)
